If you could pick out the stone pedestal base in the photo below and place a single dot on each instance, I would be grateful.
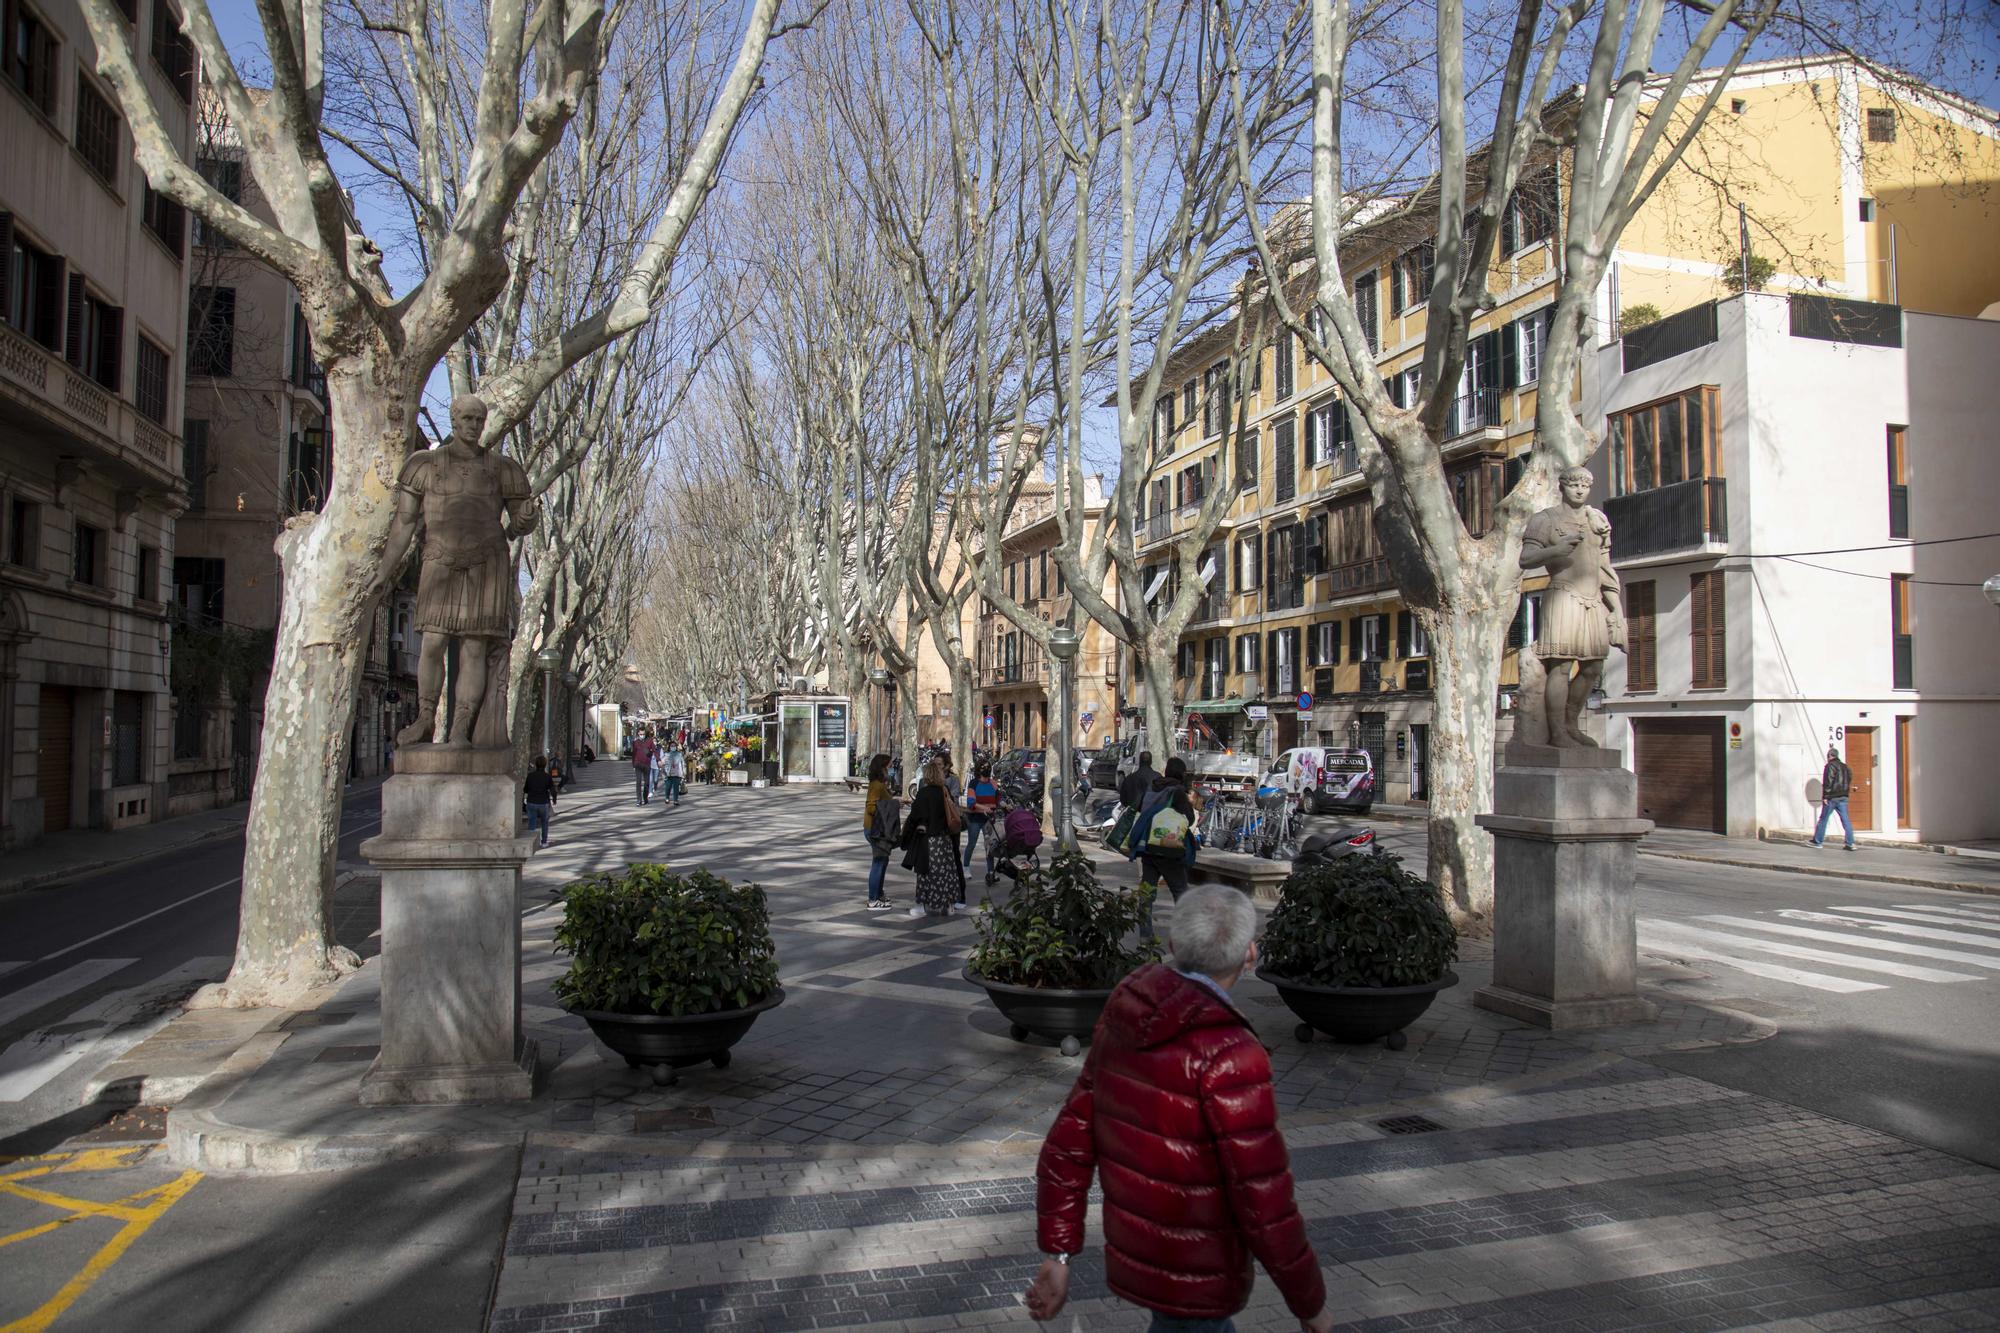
(1565, 942)
(451, 853)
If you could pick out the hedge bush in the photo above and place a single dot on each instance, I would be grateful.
(650, 941)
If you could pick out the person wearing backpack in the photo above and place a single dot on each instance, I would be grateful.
(1162, 838)
(881, 825)
(982, 802)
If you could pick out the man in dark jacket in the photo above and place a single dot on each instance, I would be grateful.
(1835, 781)
(642, 765)
(1188, 1132)
(1163, 864)
(1133, 790)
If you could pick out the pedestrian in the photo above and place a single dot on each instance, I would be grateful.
(982, 801)
(558, 779)
(1201, 1186)
(1138, 784)
(880, 829)
(538, 792)
(930, 837)
(1162, 837)
(675, 768)
(642, 765)
(658, 769)
(1836, 780)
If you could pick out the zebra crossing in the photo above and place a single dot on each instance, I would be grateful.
(1850, 949)
(83, 1025)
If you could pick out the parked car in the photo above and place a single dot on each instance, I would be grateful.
(1323, 778)
(1026, 768)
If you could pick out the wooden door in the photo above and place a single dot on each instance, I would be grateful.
(54, 757)
(1861, 795)
(1681, 775)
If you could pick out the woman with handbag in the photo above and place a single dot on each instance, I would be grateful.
(930, 837)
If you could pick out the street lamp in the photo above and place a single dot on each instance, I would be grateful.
(548, 660)
(1064, 644)
(880, 678)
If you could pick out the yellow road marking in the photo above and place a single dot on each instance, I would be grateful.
(137, 1212)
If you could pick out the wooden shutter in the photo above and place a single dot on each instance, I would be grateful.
(1642, 649)
(1510, 354)
(73, 331)
(1708, 632)
(1283, 461)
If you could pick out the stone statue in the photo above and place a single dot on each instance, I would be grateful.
(1582, 615)
(470, 501)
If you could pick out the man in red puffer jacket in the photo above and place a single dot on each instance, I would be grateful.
(1174, 1109)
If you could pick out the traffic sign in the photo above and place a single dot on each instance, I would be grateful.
(989, 720)
(1305, 703)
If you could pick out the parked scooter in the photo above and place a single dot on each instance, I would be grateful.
(1325, 848)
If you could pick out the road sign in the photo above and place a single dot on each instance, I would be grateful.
(989, 721)
(1305, 703)
(1256, 712)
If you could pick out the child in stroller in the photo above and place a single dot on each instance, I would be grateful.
(1015, 834)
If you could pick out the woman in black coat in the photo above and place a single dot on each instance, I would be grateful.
(930, 836)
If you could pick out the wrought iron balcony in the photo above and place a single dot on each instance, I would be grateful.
(1361, 576)
(1686, 516)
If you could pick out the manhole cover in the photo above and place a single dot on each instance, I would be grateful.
(341, 1054)
(1408, 1124)
(680, 1117)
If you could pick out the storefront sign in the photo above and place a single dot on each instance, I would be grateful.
(1257, 712)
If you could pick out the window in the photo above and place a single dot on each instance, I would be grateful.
(1370, 632)
(167, 221)
(1527, 621)
(1187, 401)
(1249, 564)
(1521, 346)
(1902, 664)
(86, 554)
(1246, 459)
(194, 461)
(149, 389)
(1284, 461)
(1215, 399)
(172, 51)
(226, 175)
(306, 480)
(31, 287)
(1284, 569)
(97, 131)
(1285, 376)
(1881, 124)
(146, 578)
(1662, 443)
(1867, 210)
(199, 587)
(1642, 647)
(29, 60)
(1352, 539)
(1323, 647)
(24, 533)
(1737, 106)
(95, 342)
(1367, 311)
(1899, 483)
(1410, 278)
(1215, 666)
(1184, 660)
(1905, 767)
(1411, 641)
(1530, 218)
(1249, 655)
(213, 331)
(128, 731)
(1282, 676)
(1316, 531)
(1708, 625)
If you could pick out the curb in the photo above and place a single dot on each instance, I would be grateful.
(41, 879)
(1827, 872)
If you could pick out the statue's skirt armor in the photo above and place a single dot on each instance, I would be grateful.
(467, 583)
(1573, 621)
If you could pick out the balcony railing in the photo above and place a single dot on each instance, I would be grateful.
(1210, 606)
(1361, 576)
(86, 410)
(1155, 527)
(1474, 411)
(1685, 516)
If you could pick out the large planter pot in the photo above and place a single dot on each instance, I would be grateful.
(1064, 1016)
(668, 1043)
(1357, 1013)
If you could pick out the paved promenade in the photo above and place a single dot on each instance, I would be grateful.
(867, 1159)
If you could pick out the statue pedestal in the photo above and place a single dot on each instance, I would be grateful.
(451, 853)
(1565, 944)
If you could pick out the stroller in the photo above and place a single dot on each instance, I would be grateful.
(1016, 838)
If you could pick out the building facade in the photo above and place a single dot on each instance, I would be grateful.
(93, 316)
(1837, 177)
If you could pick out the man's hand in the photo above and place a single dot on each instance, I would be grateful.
(1049, 1292)
(1319, 1323)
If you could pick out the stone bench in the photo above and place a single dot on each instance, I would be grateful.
(1256, 876)
(856, 784)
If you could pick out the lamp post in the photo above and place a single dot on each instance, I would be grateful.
(880, 678)
(548, 660)
(570, 682)
(1064, 643)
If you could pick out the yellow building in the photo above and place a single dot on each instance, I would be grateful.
(1846, 189)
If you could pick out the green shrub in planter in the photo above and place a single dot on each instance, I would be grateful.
(1062, 930)
(650, 941)
(1361, 921)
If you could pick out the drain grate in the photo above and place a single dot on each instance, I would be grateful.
(1408, 1124)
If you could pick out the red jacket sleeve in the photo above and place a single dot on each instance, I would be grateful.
(1243, 1116)
(1068, 1160)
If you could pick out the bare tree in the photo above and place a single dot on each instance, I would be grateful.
(519, 75)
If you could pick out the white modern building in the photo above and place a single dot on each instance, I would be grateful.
(1801, 490)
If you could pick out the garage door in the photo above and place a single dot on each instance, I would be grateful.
(52, 773)
(1680, 772)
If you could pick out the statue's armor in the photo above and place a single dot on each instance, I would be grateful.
(1574, 622)
(463, 587)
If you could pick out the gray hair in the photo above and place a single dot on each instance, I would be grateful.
(1212, 929)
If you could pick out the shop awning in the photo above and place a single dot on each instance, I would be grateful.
(1232, 704)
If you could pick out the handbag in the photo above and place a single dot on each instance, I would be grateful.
(1121, 832)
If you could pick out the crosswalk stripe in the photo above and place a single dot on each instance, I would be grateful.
(1860, 941)
(1774, 971)
(1675, 930)
(1890, 928)
(48, 990)
(1974, 913)
(1922, 918)
(5, 968)
(97, 1028)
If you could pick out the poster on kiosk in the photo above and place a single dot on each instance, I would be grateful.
(830, 748)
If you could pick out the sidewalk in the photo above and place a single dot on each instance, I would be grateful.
(78, 852)
(866, 1160)
(1911, 866)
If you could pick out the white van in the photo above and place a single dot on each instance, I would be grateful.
(1325, 778)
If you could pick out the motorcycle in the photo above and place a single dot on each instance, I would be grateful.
(1322, 849)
